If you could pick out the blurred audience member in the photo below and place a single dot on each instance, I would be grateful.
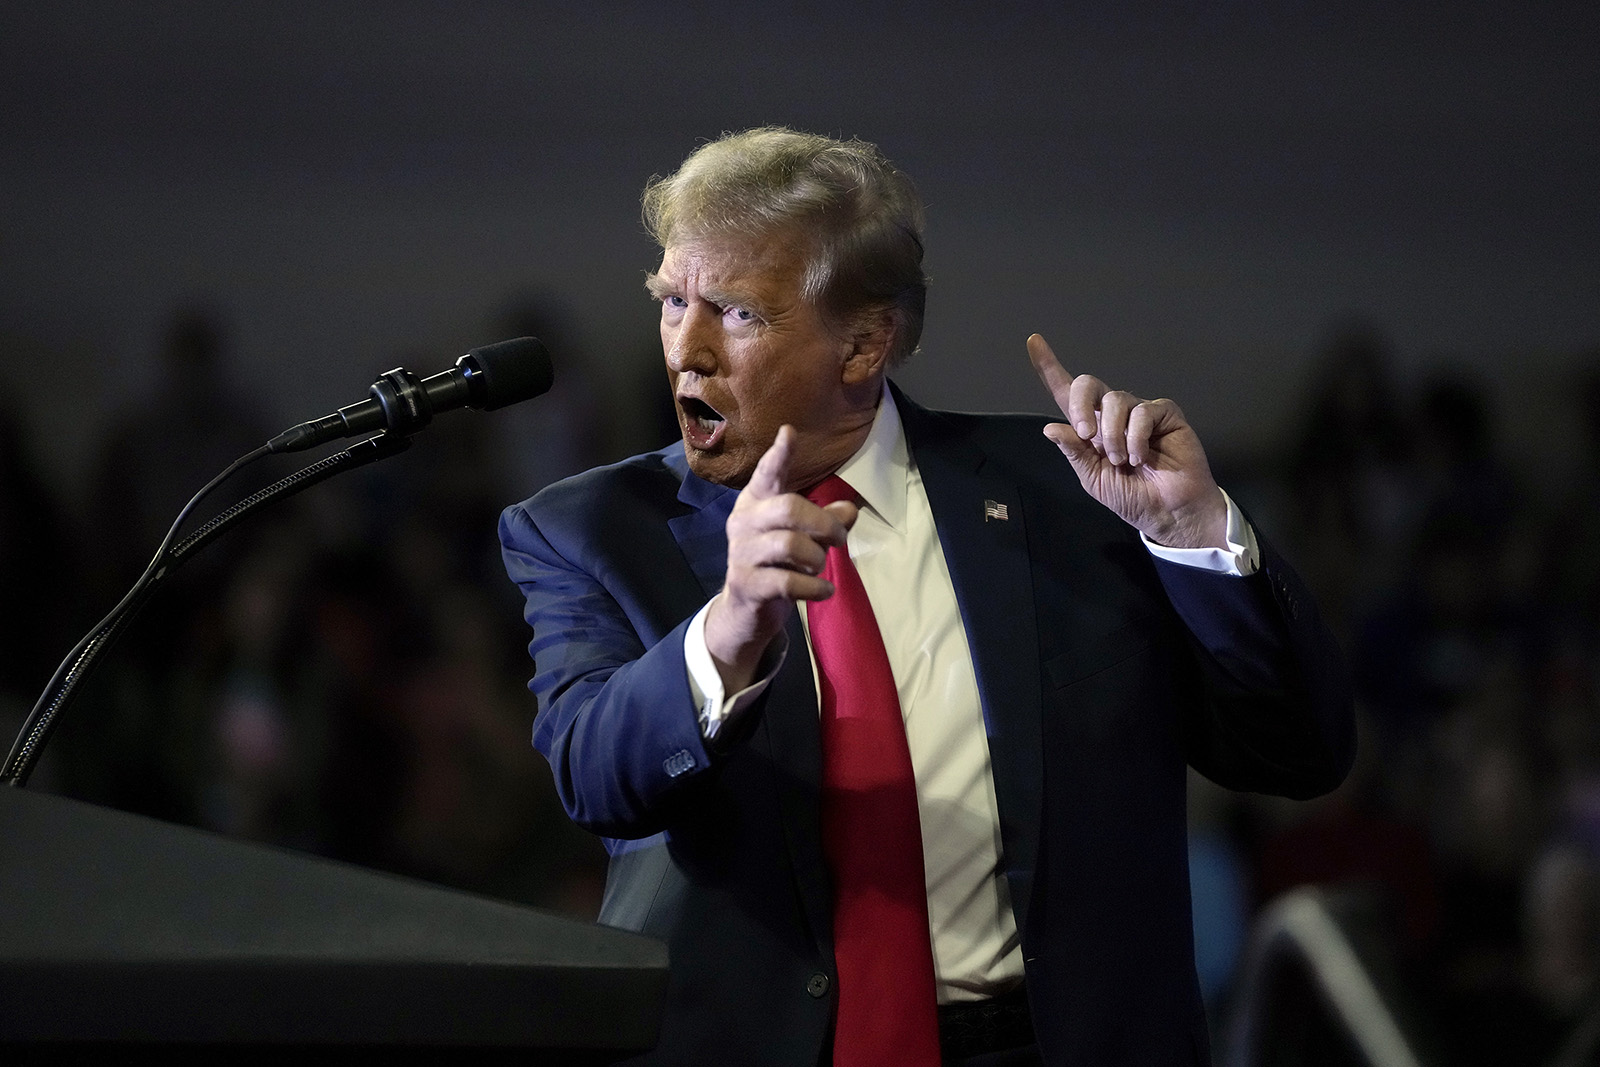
(1348, 504)
(567, 430)
(158, 453)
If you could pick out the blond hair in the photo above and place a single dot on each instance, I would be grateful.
(861, 216)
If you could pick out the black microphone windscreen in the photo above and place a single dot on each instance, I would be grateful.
(512, 371)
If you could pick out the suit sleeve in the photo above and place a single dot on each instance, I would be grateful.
(1277, 717)
(616, 718)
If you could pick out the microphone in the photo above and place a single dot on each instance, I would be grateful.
(486, 378)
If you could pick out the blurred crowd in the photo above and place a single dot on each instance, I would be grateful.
(345, 675)
(1466, 593)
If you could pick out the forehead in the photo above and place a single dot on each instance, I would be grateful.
(771, 263)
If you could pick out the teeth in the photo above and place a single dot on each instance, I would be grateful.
(701, 416)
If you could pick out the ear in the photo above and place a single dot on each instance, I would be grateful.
(870, 343)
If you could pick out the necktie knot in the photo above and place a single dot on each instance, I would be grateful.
(831, 489)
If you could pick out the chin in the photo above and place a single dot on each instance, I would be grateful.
(718, 467)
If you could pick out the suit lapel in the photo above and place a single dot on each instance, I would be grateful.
(989, 567)
(702, 533)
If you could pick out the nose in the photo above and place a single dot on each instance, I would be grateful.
(693, 344)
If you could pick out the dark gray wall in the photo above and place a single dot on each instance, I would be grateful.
(1180, 197)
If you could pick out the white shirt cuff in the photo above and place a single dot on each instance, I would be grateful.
(1240, 558)
(715, 708)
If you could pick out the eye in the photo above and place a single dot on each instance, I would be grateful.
(740, 315)
(676, 302)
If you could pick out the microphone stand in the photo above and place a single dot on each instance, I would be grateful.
(168, 558)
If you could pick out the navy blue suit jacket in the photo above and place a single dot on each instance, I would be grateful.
(1102, 674)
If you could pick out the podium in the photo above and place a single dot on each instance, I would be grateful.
(120, 933)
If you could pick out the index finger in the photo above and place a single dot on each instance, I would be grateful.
(773, 467)
(1077, 397)
(1050, 371)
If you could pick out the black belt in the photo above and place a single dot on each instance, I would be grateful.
(974, 1027)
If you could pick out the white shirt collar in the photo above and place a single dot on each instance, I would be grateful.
(880, 467)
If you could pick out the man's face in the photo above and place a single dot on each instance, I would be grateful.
(746, 353)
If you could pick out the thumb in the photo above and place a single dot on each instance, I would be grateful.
(1079, 452)
(845, 511)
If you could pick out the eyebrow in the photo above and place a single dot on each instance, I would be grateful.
(660, 288)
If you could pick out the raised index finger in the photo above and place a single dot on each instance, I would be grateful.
(1078, 397)
(1050, 371)
(773, 467)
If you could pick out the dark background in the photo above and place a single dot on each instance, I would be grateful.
(1360, 244)
(1179, 196)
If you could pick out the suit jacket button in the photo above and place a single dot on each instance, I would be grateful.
(817, 985)
(678, 763)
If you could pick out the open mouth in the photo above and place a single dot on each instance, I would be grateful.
(702, 423)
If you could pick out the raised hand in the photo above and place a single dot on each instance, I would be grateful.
(777, 543)
(1140, 458)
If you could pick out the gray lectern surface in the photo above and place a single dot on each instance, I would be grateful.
(123, 930)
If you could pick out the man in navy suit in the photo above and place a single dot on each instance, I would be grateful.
(1073, 612)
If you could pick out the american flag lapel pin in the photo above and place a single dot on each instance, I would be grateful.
(994, 512)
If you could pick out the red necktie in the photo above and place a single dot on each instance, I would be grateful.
(870, 831)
